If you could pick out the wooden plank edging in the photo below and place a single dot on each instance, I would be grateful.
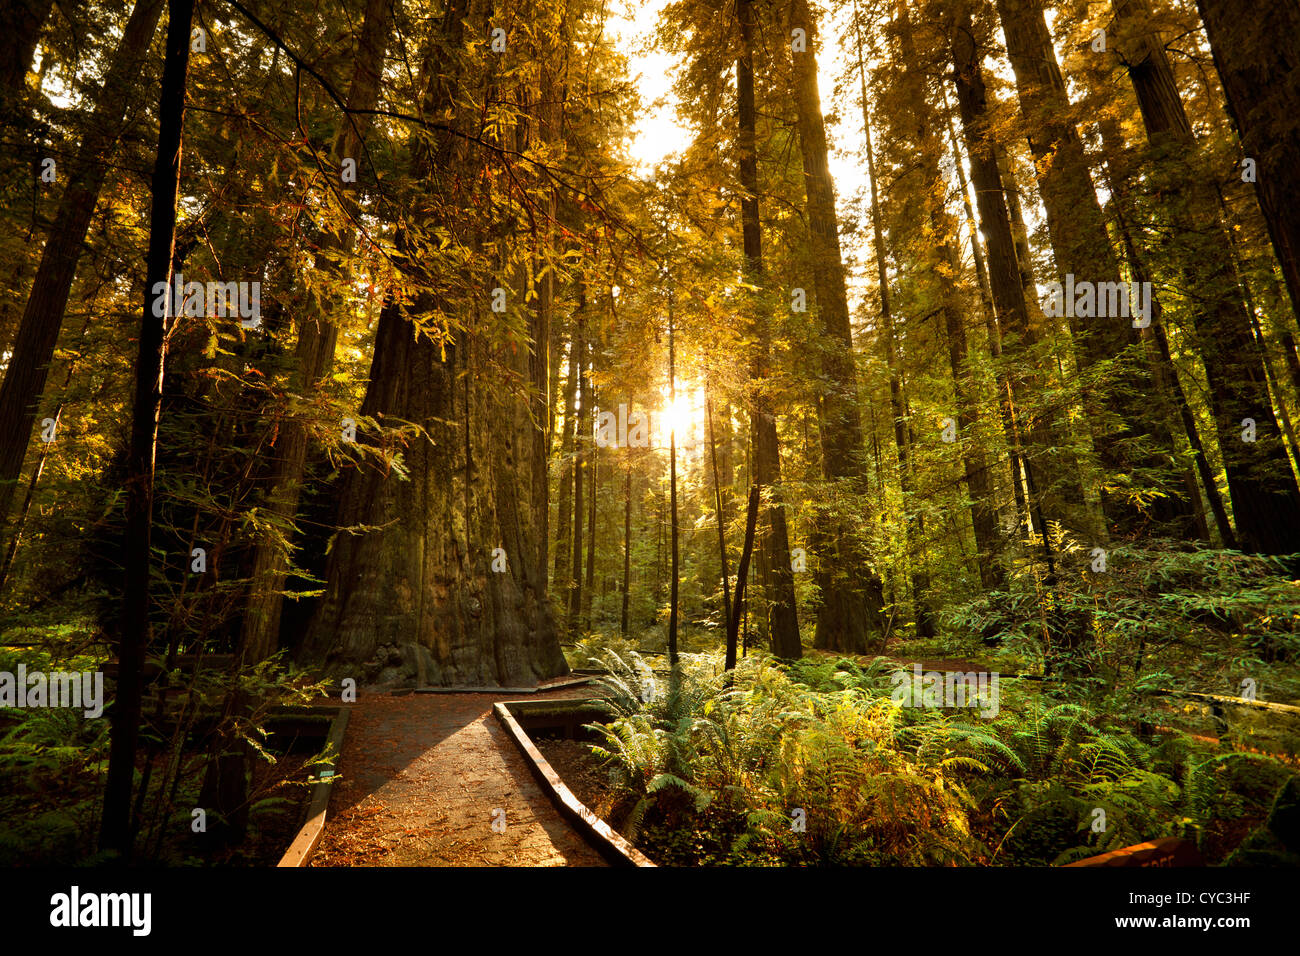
(1221, 699)
(596, 831)
(1165, 852)
(576, 681)
(308, 839)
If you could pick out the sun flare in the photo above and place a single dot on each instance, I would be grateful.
(682, 418)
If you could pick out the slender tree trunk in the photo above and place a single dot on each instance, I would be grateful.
(568, 470)
(1118, 179)
(776, 574)
(115, 832)
(742, 576)
(659, 544)
(627, 548)
(20, 519)
(1049, 480)
(1020, 236)
(920, 581)
(38, 331)
(672, 488)
(944, 265)
(588, 591)
(990, 317)
(1049, 472)
(717, 500)
(581, 454)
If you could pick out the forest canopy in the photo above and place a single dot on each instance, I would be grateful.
(395, 344)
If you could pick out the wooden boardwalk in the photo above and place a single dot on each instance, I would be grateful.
(424, 779)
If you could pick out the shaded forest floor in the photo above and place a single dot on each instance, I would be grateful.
(424, 776)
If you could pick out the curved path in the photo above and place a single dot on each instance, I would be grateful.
(424, 777)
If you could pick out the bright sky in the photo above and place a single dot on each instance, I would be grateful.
(659, 134)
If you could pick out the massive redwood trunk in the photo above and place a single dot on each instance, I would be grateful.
(1082, 248)
(443, 586)
(852, 597)
(317, 337)
(1257, 54)
(423, 585)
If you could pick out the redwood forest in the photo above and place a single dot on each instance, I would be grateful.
(697, 433)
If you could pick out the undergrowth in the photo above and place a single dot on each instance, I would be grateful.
(812, 763)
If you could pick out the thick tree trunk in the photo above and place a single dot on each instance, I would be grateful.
(317, 337)
(1261, 484)
(1050, 472)
(428, 586)
(116, 831)
(850, 617)
(424, 585)
(1082, 248)
(21, 22)
(943, 266)
(38, 332)
(1256, 54)
(776, 574)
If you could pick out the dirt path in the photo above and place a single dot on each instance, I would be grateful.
(423, 778)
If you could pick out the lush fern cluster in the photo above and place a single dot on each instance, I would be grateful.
(762, 770)
(52, 761)
(1213, 617)
(812, 763)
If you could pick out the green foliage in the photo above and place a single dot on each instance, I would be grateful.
(52, 759)
(711, 771)
(731, 764)
(1161, 608)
